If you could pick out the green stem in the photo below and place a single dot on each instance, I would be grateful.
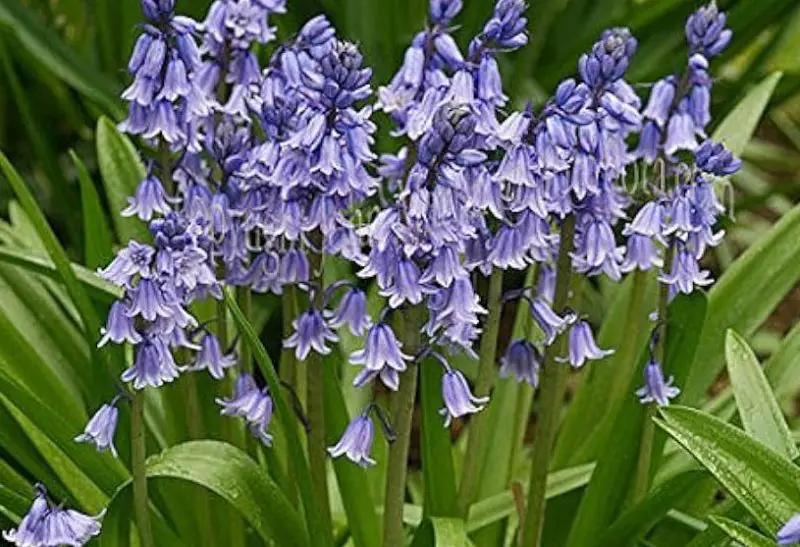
(138, 457)
(642, 479)
(551, 392)
(315, 402)
(246, 304)
(402, 411)
(478, 435)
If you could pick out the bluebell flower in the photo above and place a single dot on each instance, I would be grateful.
(310, 332)
(381, 355)
(211, 358)
(522, 361)
(458, 399)
(549, 321)
(641, 253)
(660, 104)
(153, 364)
(608, 59)
(506, 28)
(351, 311)
(582, 346)
(119, 327)
(149, 300)
(686, 272)
(252, 404)
(706, 32)
(150, 198)
(789, 533)
(356, 442)
(133, 260)
(715, 159)
(441, 12)
(45, 525)
(101, 428)
(656, 389)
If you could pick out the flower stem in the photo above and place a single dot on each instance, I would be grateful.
(246, 304)
(138, 456)
(315, 404)
(402, 411)
(551, 392)
(644, 463)
(476, 442)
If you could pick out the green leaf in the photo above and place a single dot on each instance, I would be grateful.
(230, 473)
(122, 171)
(761, 480)
(97, 286)
(354, 488)
(740, 124)
(634, 523)
(437, 460)
(97, 241)
(91, 323)
(499, 506)
(758, 409)
(440, 532)
(603, 387)
(780, 369)
(47, 48)
(104, 471)
(744, 297)
(741, 533)
(616, 467)
(287, 419)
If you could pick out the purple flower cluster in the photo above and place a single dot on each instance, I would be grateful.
(46, 525)
(259, 174)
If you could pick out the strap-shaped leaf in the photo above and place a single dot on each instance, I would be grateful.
(762, 481)
(758, 409)
(287, 418)
(231, 474)
(97, 241)
(741, 533)
(122, 171)
(441, 531)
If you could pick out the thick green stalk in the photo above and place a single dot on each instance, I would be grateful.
(642, 479)
(402, 411)
(138, 457)
(551, 390)
(478, 435)
(315, 403)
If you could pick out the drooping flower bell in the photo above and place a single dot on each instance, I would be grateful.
(252, 404)
(458, 399)
(46, 525)
(522, 361)
(101, 428)
(356, 441)
(656, 389)
(382, 356)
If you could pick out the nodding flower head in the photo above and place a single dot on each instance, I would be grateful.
(506, 28)
(522, 361)
(310, 332)
(382, 355)
(706, 32)
(356, 442)
(46, 525)
(101, 428)
(582, 346)
(252, 404)
(351, 311)
(656, 389)
(158, 10)
(458, 399)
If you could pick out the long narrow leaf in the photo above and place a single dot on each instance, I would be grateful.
(97, 243)
(741, 533)
(761, 480)
(287, 418)
(91, 323)
(758, 409)
(122, 172)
